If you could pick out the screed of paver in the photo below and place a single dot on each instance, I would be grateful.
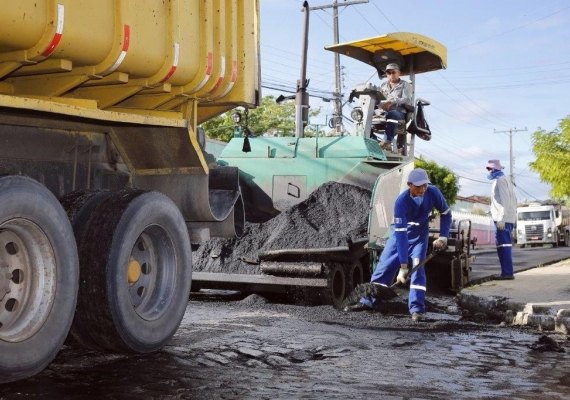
(331, 216)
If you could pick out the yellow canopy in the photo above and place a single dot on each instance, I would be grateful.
(417, 51)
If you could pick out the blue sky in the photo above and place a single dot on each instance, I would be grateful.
(508, 67)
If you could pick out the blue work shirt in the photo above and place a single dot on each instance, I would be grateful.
(411, 222)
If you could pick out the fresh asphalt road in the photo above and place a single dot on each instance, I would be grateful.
(487, 262)
(250, 348)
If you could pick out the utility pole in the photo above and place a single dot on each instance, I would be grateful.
(511, 159)
(338, 84)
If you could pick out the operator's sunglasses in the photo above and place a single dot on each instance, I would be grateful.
(424, 186)
(392, 71)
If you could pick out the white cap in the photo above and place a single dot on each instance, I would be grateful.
(418, 177)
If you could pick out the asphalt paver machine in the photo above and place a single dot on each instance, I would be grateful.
(279, 172)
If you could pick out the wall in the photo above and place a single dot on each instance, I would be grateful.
(482, 226)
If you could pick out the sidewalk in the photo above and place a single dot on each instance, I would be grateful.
(538, 297)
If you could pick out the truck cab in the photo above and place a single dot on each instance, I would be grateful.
(539, 224)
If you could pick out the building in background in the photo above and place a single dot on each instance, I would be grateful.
(477, 209)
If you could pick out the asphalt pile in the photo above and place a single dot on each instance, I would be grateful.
(333, 215)
(546, 343)
(368, 289)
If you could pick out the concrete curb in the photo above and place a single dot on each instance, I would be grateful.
(539, 298)
(519, 314)
(544, 321)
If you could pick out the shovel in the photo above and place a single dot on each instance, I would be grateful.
(387, 292)
(378, 291)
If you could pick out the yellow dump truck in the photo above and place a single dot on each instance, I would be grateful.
(103, 181)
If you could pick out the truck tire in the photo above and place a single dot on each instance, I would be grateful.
(337, 284)
(336, 290)
(79, 206)
(136, 272)
(566, 239)
(355, 276)
(38, 277)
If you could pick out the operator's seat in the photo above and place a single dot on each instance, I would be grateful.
(414, 123)
(379, 121)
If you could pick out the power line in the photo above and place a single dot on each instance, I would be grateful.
(385, 17)
(338, 83)
(525, 192)
(365, 19)
(512, 29)
(473, 180)
(532, 70)
(522, 84)
(464, 95)
(458, 119)
(327, 96)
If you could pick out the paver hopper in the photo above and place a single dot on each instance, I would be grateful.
(279, 172)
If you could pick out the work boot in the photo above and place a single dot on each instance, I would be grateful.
(504, 277)
(417, 317)
(356, 307)
(386, 146)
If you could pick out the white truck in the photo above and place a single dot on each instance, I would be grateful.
(543, 224)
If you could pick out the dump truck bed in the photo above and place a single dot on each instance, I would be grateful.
(153, 60)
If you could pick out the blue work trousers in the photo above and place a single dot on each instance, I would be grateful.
(388, 267)
(392, 117)
(504, 241)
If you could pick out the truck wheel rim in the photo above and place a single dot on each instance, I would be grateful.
(152, 290)
(28, 279)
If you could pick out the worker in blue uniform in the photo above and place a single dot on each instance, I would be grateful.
(408, 243)
(504, 214)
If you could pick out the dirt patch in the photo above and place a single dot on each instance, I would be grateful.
(333, 215)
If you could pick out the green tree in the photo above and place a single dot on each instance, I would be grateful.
(273, 118)
(220, 127)
(269, 117)
(552, 151)
(441, 177)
